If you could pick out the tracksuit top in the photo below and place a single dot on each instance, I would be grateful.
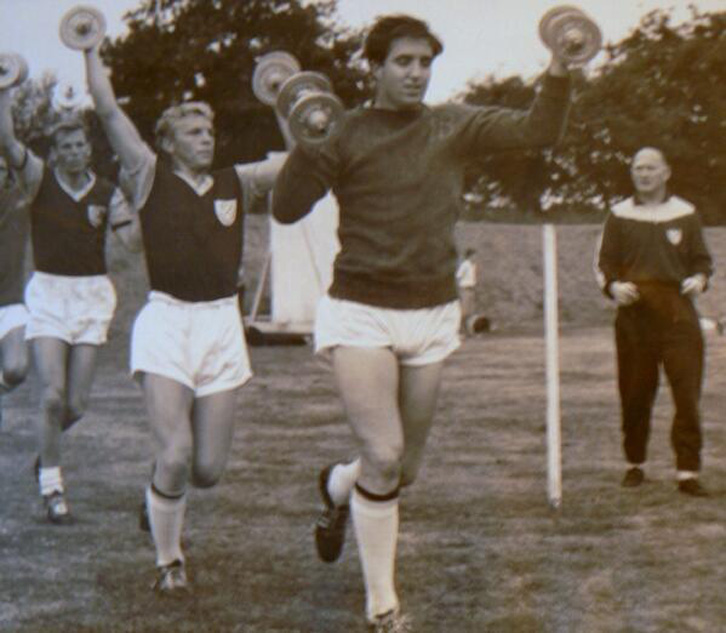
(193, 243)
(69, 236)
(398, 179)
(652, 245)
(14, 232)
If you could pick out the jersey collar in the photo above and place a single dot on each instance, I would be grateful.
(76, 194)
(200, 187)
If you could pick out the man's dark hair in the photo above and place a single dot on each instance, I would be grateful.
(392, 27)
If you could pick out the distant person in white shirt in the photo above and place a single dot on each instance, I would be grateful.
(466, 281)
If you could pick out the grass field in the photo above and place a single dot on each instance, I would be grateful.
(480, 549)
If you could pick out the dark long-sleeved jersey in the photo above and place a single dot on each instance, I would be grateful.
(654, 244)
(398, 178)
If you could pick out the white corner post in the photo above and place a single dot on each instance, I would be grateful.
(554, 453)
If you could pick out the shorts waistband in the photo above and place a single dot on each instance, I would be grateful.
(163, 297)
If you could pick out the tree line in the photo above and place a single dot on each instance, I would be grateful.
(662, 85)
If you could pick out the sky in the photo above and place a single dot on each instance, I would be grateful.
(481, 37)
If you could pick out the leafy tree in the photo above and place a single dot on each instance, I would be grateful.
(206, 50)
(662, 85)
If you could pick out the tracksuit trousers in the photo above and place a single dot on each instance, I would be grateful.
(662, 328)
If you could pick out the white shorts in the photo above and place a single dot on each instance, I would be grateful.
(74, 309)
(417, 337)
(199, 345)
(12, 316)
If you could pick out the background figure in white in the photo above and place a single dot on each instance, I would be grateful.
(302, 264)
(466, 281)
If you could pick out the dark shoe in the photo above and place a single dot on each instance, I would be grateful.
(331, 524)
(56, 509)
(633, 477)
(144, 524)
(692, 487)
(172, 579)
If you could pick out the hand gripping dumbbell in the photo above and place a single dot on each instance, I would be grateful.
(273, 70)
(82, 28)
(13, 70)
(307, 102)
(570, 35)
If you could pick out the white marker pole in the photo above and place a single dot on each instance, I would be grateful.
(554, 456)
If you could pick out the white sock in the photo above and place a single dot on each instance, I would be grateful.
(51, 480)
(166, 517)
(341, 481)
(376, 530)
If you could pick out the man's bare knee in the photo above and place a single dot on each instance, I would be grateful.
(53, 399)
(173, 466)
(386, 462)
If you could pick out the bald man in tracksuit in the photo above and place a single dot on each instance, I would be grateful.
(653, 262)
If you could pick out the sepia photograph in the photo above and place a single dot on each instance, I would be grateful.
(390, 316)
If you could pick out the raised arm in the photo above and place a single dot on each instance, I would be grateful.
(258, 178)
(12, 149)
(121, 132)
(305, 178)
(495, 128)
(124, 222)
(27, 166)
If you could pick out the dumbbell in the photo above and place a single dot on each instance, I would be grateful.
(273, 70)
(13, 70)
(312, 111)
(570, 34)
(82, 27)
(65, 97)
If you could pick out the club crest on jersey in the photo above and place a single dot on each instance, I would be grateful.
(674, 236)
(226, 211)
(96, 215)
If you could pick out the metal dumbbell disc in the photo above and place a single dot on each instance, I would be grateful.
(13, 70)
(297, 87)
(82, 28)
(575, 38)
(314, 117)
(66, 97)
(271, 72)
(545, 24)
(24, 71)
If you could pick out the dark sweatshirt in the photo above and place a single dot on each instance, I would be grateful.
(661, 245)
(398, 179)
